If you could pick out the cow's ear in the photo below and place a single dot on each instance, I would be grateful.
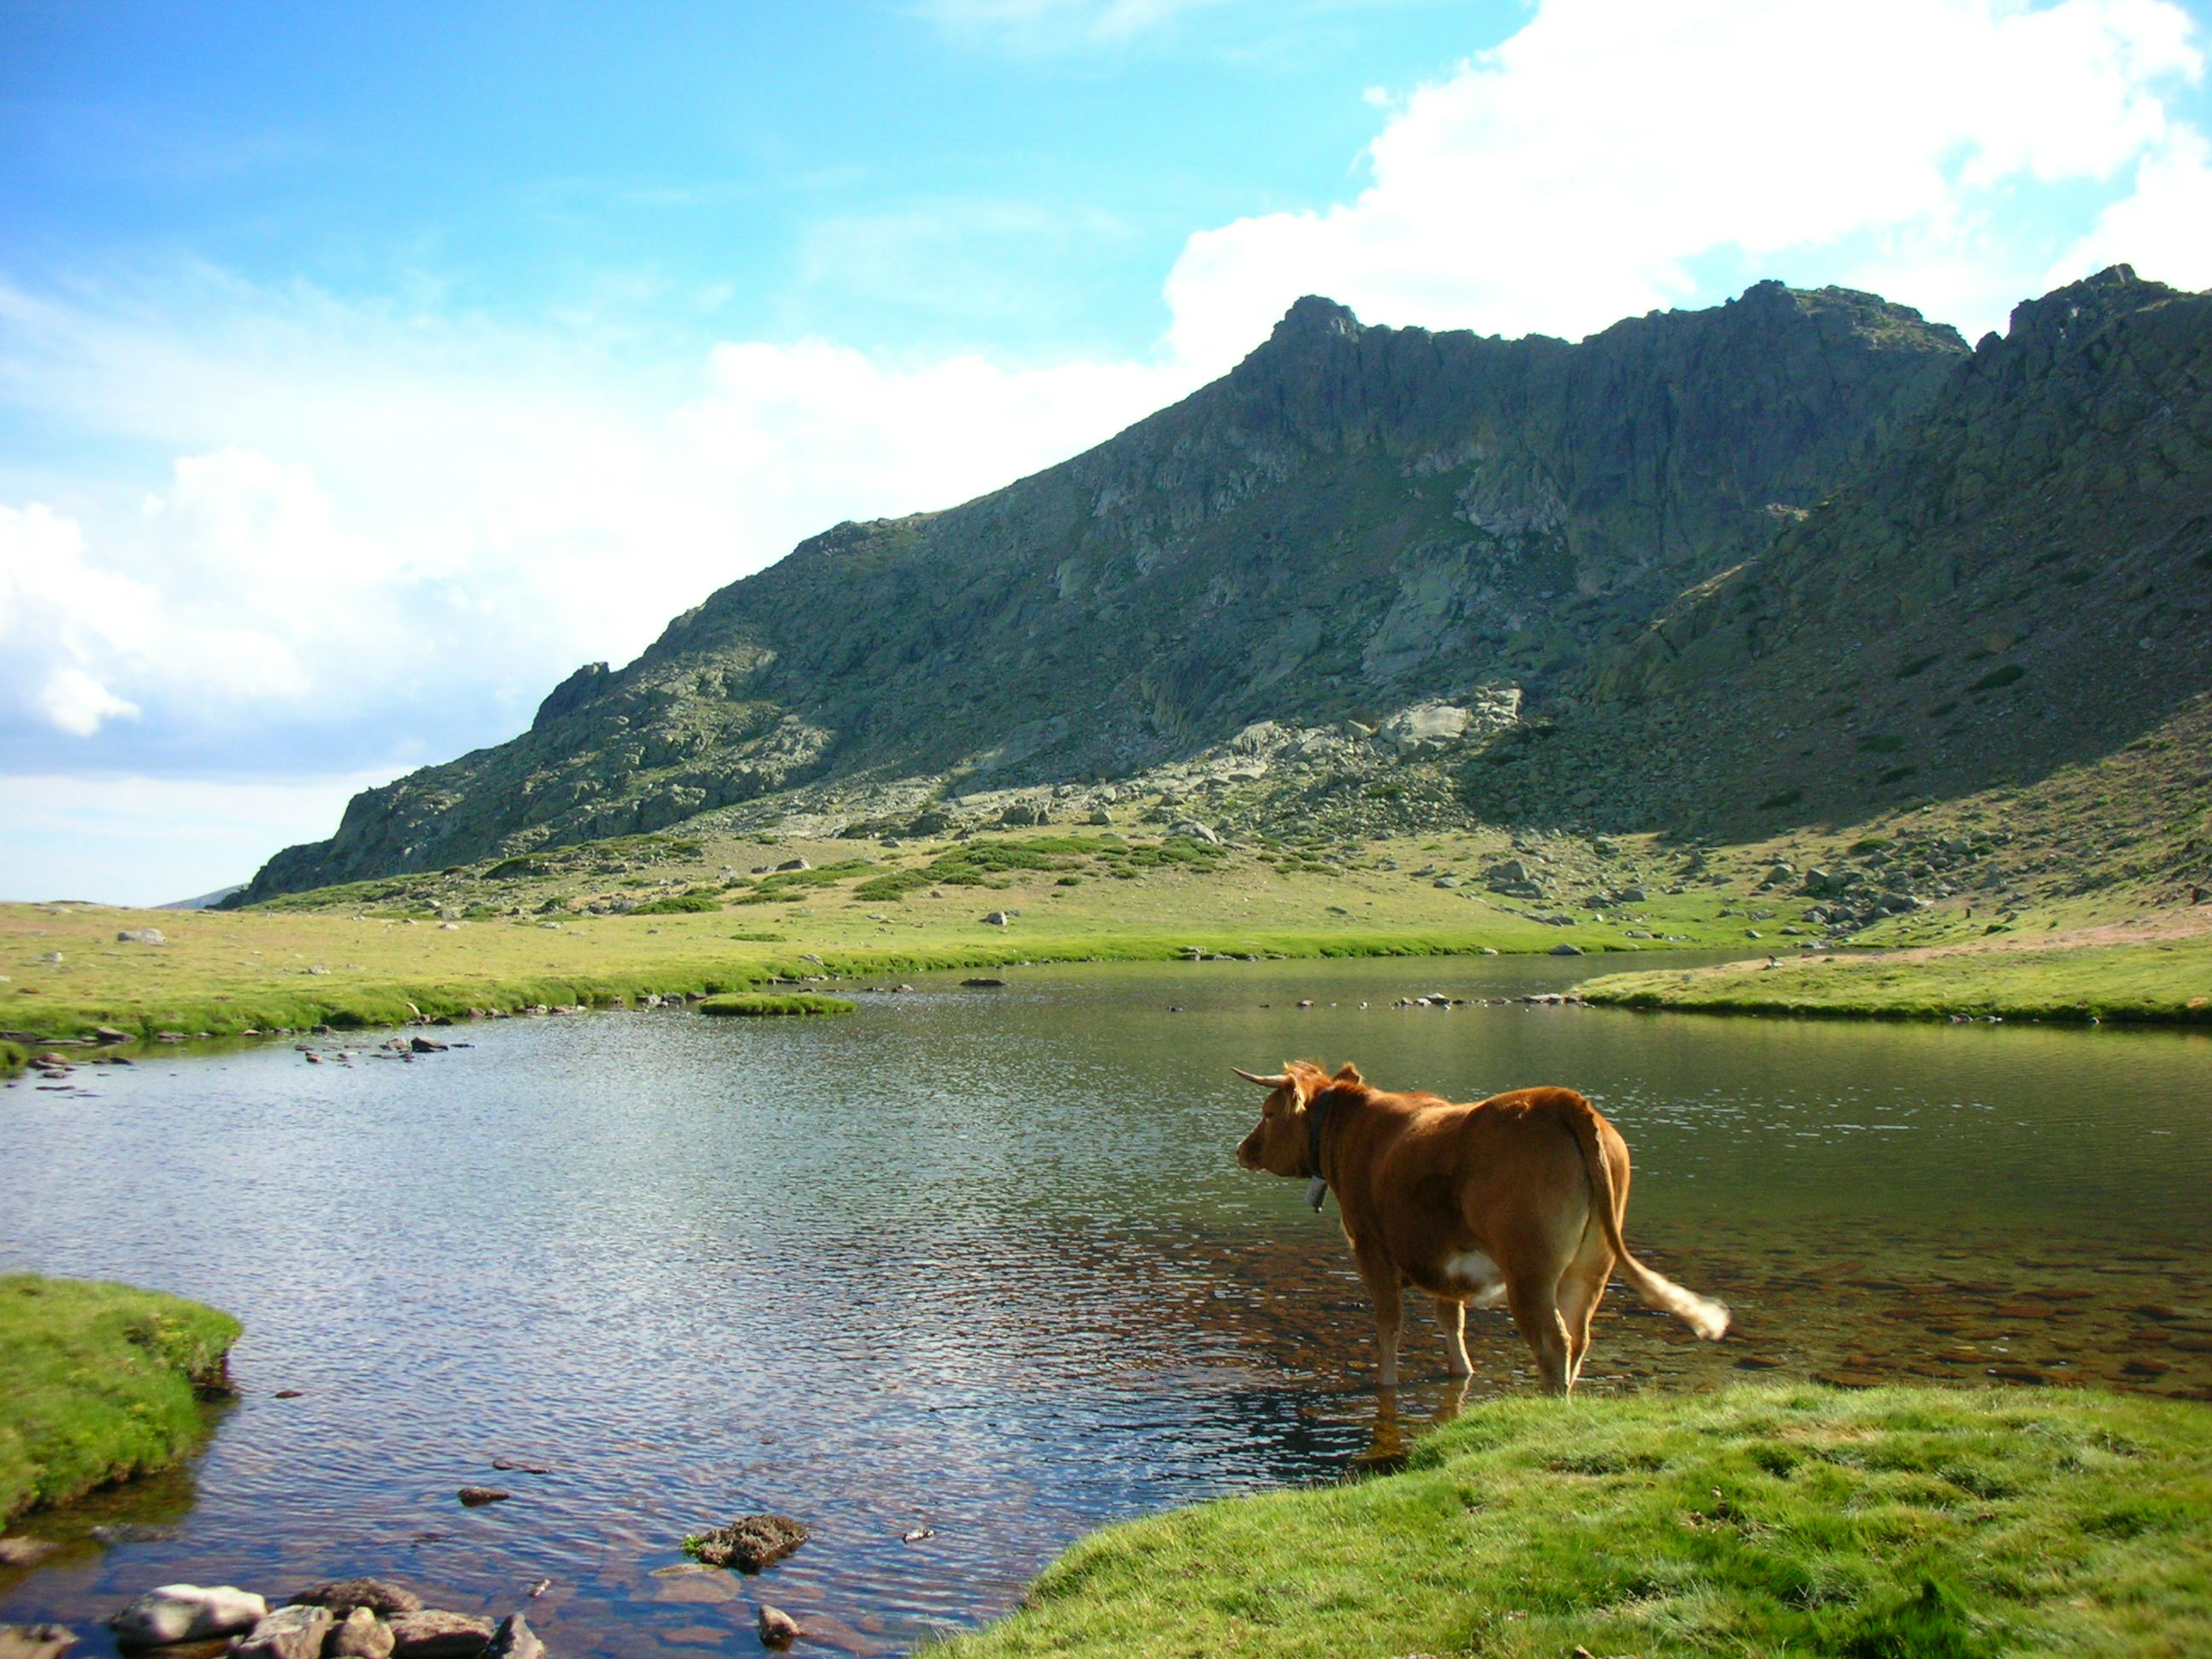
(1348, 1074)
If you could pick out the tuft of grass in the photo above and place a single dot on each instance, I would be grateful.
(1894, 1523)
(682, 904)
(98, 1382)
(13, 1058)
(756, 1005)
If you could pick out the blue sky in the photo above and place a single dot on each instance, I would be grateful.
(363, 369)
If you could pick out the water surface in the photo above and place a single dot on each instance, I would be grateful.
(981, 1262)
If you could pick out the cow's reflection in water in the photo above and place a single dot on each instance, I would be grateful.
(1388, 1444)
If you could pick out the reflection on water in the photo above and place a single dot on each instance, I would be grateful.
(981, 1263)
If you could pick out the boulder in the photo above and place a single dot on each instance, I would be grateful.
(750, 1542)
(140, 936)
(342, 1595)
(433, 1633)
(778, 1629)
(35, 1641)
(25, 1552)
(295, 1632)
(793, 864)
(362, 1635)
(186, 1612)
(1565, 950)
(1427, 722)
(514, 1639)
(422, 1045)
(998, 919)
(1195, 830)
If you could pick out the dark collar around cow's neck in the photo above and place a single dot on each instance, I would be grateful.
(1317, 1183)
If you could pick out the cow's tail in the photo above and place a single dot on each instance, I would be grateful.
(1708, 1318)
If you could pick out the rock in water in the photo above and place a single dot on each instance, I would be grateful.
(35, 1641)
(25, 1553)
(185, 1612)
(477, 1497)
(433, 1633)
(362, 1635)
(295, 1632)
(1566, 950)
(342, 1595)
(750, 1542)
(514, 1639)
(778, 1629)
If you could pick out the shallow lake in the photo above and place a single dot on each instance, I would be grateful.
(981, 1262)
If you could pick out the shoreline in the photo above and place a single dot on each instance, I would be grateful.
(99, 1383)
(2155, 981)
(2166, 983)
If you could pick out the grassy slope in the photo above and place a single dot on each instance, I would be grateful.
(97, 1383)
(2166, 980)
(1882, 1525)
(385, 952)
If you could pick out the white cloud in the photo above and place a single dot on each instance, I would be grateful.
(77, 703)
(1596, 163)
(385, 536)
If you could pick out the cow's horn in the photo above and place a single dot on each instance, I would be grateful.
(1264, 1082)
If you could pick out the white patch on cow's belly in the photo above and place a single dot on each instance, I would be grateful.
(1484, 1284)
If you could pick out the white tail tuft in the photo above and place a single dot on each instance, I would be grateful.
(1708, 1318)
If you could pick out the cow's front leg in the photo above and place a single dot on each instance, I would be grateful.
(1451, 1314)
(1390, 1313)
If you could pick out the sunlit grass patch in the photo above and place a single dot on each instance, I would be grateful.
(1895, 1523)
(766, 1003)
(98, 1381)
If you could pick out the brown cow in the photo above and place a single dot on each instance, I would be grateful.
(1518, 1198)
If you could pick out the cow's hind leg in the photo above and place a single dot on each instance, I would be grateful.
(1581, 1289)
(1535, 1309)
(1451, 1314)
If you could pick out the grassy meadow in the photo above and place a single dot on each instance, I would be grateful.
(611, 921)
(98, 1383)
(2166, 980)
(1892, 1523)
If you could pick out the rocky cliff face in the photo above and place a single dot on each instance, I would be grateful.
(2022, 579)
(1352, 519)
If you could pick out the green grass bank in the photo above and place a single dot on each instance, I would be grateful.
(772, 1005)
(2163, 981)
(1894, 1523)
(98, 1383)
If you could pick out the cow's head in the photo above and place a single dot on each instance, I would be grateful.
(1282, 1142)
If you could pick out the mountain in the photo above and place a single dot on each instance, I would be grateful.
(1354, 519)
(2019, 582)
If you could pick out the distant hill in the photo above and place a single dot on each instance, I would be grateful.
(206, 901)
(1353, 522)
